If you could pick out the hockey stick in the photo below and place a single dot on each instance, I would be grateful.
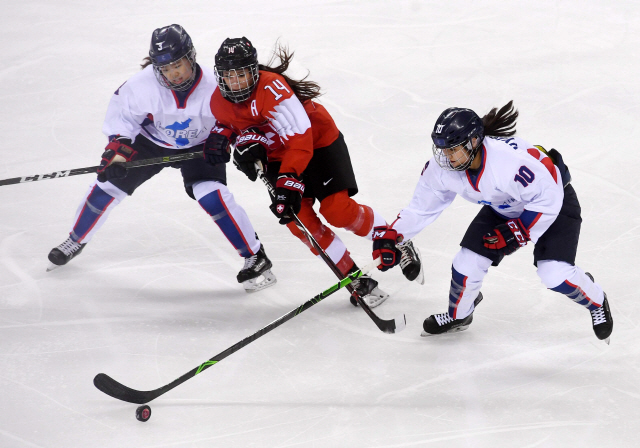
(117, 390)
(93, 169)
(388, 326)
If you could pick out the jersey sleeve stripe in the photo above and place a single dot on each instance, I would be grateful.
(290, 118)
(529, 218)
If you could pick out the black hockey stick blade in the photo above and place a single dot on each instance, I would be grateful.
(121, 392)
(93, 169)
(113, 388)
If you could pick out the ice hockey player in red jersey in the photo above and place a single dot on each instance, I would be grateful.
(526, 197)
(160, 111)
(306, 157)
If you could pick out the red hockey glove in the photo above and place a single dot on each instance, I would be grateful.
(217, 147)
(508, 237)
(250, 147)
(288, 198)
(384, 246)
(118, 150)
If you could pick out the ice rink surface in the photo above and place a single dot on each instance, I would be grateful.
(154, 294)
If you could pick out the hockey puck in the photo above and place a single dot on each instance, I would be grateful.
(143, 413)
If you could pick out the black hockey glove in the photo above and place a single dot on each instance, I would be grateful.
(117, 151)
(384, 246)
(288, 198)
(250, 148)
(508, 237)
(217, 147)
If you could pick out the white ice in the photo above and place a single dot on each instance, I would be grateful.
(154, 294)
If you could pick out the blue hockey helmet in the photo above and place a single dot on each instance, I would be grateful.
(455, 127)
(237, 57)
(170, 44)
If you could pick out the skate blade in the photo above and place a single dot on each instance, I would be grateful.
(424, 334)
(608, 340)
(52, 267)
(261, 282)
(420, 277)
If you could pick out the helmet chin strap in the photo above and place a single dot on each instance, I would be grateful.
(471, 156)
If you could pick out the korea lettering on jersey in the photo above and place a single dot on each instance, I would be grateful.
(141, 106)
(509, 180)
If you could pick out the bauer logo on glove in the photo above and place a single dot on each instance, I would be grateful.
(250, 138)
(293, 185)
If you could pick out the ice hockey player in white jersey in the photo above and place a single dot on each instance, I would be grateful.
(164, 110)
(526, 197)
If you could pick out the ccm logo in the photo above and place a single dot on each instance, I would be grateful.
(294, 185)
(517, 233)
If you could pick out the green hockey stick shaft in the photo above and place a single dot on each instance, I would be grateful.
(117, 390)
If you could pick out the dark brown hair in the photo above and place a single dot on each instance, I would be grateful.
(145, 63)
(500, 123)
(304, 90)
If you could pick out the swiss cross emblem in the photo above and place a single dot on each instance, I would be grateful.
(280, 208)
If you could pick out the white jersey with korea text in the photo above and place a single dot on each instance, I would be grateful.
(515, 179)
(141, 106)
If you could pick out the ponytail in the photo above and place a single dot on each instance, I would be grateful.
(500, 123)
(304, 90)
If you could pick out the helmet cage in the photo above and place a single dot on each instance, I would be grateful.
(442, 155)
(230, 84)
(189, 57)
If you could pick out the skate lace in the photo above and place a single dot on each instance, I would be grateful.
(443, 318)
(69, 247)
(406, 258)
(250, 261)
(598, 316)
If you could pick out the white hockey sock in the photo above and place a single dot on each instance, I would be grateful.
(92, 213)
(216, 199)
(467, 273)
(571, 281)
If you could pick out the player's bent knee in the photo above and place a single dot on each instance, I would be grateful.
(552, 272)
(339, 209)
(471, 264)
(203, 188)
(111, 190)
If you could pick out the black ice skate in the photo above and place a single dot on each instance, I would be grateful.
(443, 323)
(601, 318)
(411, 262)
(256, 273)
(61, 255)
(367, 289)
